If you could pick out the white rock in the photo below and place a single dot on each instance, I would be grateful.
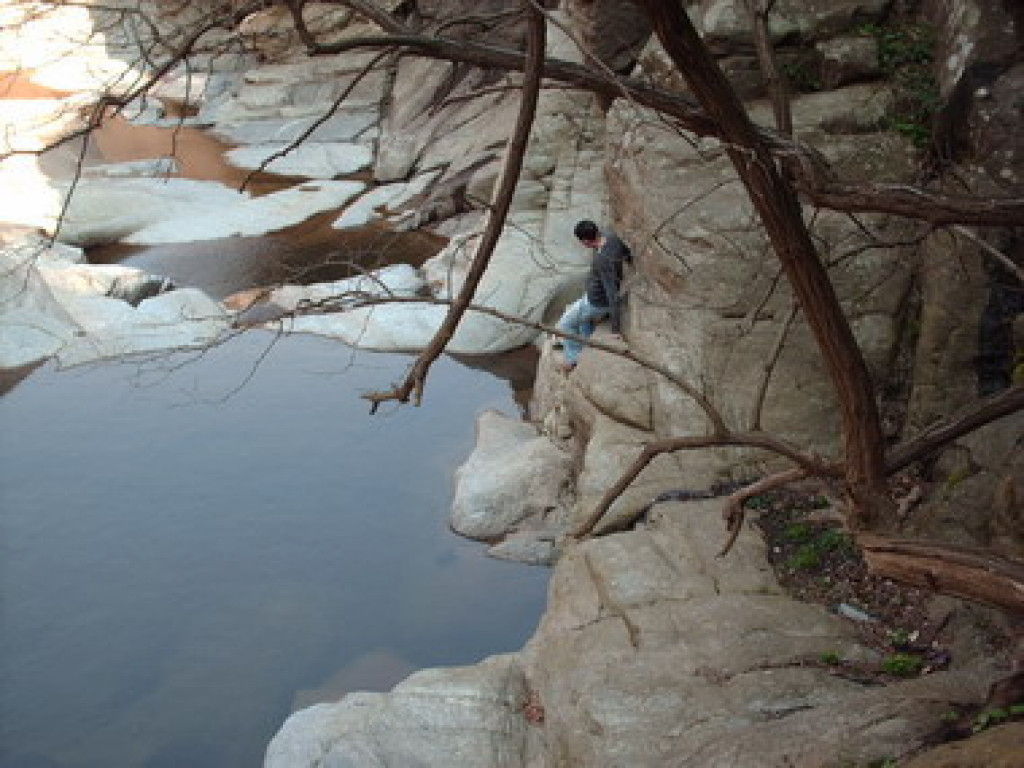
(363, 210)
(163, 166)
(249, 217)
(311, 161)
(52, 305)
(398, 280)
(466, 717)
(347, 126)
(513, 474)
(521, 280)
(181, 319)
(108, 210)
(386, 327)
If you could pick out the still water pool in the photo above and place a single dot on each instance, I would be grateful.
(193, 545)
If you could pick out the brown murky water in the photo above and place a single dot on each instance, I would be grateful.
(19, 85)
(312, 251)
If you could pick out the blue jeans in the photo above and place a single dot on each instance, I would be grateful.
(579, 318)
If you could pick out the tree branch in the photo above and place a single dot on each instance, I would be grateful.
(769, 368)
(974, 416)
(810, 177)
(808, 465)
(777, 89)
(733, 512)
(416, 378)
(714, 417)
(968, 573)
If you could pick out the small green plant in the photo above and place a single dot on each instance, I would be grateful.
(761, 501)
(899, 638)
(902, 664)
(804, 559)
(831, 658)
(834, 540)
(988, 718)
(797, 532)
(1018, 373)
(956, 477)
(906, 56)
(949, 716)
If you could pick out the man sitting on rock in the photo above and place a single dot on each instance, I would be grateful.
(602, 297)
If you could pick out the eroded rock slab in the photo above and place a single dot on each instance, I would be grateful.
(514, 475)
(468, 717)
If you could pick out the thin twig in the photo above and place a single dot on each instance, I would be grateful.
(807, 463)
(995, 253)
(769, 368)
(733, 512)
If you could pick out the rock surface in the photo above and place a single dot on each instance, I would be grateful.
(462, 718)
(994, 748)
(652, 652)
(52, 305)
(514, 476)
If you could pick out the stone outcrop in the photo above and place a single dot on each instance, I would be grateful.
(463, 718)
(513, 491)
(53, 305)
(995, 748)
(652, 652)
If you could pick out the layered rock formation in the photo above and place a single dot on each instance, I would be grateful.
(652, 651)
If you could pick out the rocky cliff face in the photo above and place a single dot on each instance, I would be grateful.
(652, 651)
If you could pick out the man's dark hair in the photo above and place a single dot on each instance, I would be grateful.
(586, 230)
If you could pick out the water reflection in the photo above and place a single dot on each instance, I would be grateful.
(178, 567)
(308, 253)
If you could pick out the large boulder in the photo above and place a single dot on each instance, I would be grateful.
(470, 717)
(514, 478)
(706, 301)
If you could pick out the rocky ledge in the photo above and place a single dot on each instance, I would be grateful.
(652, 652)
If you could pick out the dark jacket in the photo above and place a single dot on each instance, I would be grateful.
(605, 278)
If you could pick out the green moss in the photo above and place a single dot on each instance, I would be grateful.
(1018, 373)
(797, 532)
(903, 664)
(956, 477)
(906, 56)
(834, 540)
(831, 658)
(804, 559)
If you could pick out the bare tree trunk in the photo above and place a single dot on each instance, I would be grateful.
(777, 205)
(968, 573)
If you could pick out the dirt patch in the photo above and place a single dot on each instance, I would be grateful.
(816, 561)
